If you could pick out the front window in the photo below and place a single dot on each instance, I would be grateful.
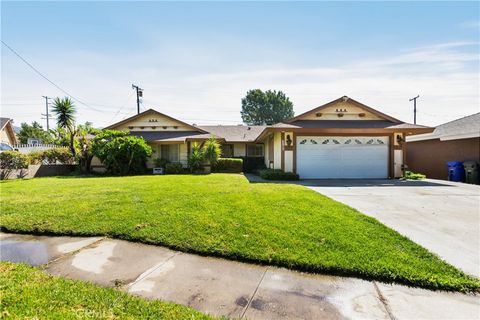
(169, 152)
(227, 150)
(255, 150)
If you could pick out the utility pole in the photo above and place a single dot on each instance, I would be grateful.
(139, 94)
(46, 115)
(415, 108)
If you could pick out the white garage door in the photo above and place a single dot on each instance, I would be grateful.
(342, 157)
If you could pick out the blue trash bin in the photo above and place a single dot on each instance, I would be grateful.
(456, 171)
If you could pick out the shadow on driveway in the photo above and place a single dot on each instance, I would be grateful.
(355, 182)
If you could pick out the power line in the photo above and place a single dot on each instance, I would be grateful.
(44, 77)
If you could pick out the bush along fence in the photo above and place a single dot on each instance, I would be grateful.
(50, 162)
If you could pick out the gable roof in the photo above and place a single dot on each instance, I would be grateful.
(344, 98)
(239, 133)
(463, 128)
(124, 121)
(4, 122)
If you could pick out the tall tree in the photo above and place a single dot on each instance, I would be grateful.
(269, 107)
(65, 111)
(35, 130)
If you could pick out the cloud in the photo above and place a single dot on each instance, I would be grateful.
(446, 75)
(470, 24)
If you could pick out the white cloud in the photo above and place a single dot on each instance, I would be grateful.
(445, 75)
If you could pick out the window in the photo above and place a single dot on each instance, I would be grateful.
(255, 150)
(169, 152)
(227, 150)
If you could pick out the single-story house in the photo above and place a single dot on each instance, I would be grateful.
(341, 139)
(7, 134)
(457, 140)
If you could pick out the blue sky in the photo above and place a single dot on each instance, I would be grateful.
(196, 60)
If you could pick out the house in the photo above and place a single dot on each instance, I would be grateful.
(341, 139)
(7, 134)
(458, 140)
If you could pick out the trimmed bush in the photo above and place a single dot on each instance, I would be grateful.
(277, 174)
(229, 165)
(10, 161)
(121, 153)
(173, 168)
(58, 155)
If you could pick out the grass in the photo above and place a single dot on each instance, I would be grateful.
(225, 215)
(29, 293)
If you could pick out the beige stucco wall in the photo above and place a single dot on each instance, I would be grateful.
(352, 113)
(277, 149)
(397, 163)
(145, 121)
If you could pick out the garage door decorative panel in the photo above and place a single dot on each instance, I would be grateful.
(322, 157)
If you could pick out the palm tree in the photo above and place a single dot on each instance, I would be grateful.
(65, 111)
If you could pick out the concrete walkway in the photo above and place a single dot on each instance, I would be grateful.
(233, 289)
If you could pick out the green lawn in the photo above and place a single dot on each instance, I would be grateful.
(225, 215)
(28, 293)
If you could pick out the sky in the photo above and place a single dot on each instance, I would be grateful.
(196, 60)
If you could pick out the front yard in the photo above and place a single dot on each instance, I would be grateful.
(28, 293)
(224, 215)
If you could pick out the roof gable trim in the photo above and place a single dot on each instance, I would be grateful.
(345, 98)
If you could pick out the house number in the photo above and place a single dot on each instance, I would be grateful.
(341, 110)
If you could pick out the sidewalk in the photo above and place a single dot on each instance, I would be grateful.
(228, 288)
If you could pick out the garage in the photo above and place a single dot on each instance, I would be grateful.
(330, 157)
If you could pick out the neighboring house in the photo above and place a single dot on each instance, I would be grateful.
(458, 140)
(7, 134)
(341, 139)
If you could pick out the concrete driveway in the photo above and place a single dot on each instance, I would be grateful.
(442, 216)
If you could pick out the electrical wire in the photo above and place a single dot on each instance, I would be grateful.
(50, 81)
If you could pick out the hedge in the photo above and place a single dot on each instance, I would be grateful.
(277, 174)
(229, 165)
(173, 168)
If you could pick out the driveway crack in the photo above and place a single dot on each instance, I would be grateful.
(254, 293)
(384, 301)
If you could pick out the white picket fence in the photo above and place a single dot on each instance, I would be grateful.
(27, 148)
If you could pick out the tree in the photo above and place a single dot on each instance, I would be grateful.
(269, 107)
(65, 111)
(121, 153)
(35, 130)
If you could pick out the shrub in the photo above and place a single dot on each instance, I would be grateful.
(12, 160)
(195, 158)
(212, 151)
(173, 168)
(58, 155)
(409, 175)
(160, 162)
(121, 153)
(36, 157)
(229, 165)
(277, 174)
